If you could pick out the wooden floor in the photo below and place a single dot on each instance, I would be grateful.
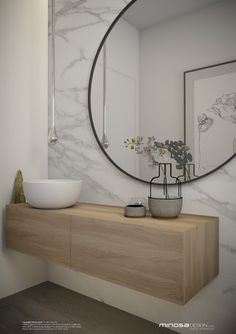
(63, 307)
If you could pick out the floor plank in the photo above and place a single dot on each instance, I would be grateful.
(50, 302)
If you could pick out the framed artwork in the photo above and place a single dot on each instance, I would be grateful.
(210, 114)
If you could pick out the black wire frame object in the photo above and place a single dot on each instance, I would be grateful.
(162, 168)
(90, 105)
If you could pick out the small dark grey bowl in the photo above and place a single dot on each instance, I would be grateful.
(135, 211)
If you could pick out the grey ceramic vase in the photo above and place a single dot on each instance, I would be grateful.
(165, 207)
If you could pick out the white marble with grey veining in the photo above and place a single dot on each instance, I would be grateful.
(80, 27)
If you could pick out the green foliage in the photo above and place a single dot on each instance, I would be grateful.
(179, 152)
(153, 149)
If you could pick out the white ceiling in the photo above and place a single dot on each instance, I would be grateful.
(145, 13)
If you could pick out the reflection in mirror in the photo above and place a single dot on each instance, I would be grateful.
(164, 101)
(210, 102)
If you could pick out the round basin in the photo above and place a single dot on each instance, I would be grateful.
(52, 193)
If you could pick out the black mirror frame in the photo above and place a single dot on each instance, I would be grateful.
(90, 106)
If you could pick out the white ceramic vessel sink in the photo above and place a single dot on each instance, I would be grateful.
(52, 193)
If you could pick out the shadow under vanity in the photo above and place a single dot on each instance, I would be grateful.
(167, 258)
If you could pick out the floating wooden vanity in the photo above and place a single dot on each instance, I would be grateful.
(171, 259)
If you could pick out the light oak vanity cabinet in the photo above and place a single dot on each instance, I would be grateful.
(171, 259)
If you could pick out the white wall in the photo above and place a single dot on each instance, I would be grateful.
(23, 121)
(77, 155)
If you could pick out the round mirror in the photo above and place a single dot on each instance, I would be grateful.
(162, 91)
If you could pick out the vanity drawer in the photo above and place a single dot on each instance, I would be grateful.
(40, 233)
(169, 259)
(145, 259)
